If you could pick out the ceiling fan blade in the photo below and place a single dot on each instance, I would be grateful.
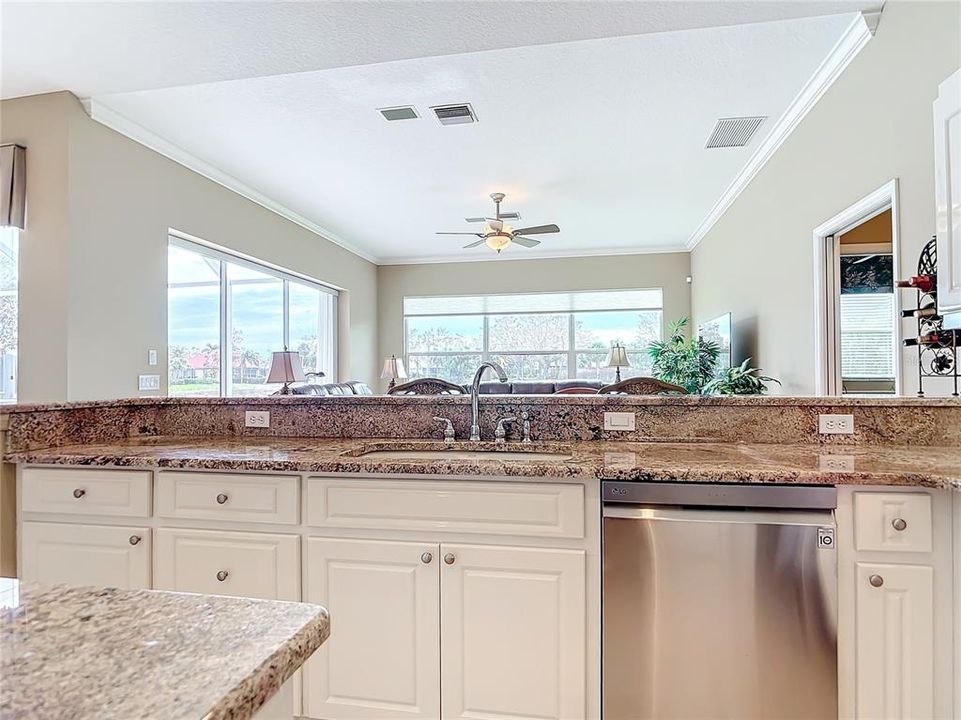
(474, 244)
(526, 242)
(537, 230)
(479, 219)
(460, 233)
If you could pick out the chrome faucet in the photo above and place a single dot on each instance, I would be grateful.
(475, 392)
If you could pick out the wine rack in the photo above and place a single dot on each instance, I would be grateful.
(939, 360)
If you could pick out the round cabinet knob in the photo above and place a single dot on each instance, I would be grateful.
(79, 493)
(426, 558)
(221, 499)
(134, 539)
(449, 558)
(222, 575)
(876, 581)
(898, 524)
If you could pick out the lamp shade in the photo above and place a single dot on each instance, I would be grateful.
(286, 367)
(393, 368)
(617, 357)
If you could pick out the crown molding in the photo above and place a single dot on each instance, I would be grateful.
(105, 115)
(855, 37)
(494, 257)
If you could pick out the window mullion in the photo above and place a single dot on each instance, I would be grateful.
(571, 357)
(485, 346)
(286, 318)
(226, 345)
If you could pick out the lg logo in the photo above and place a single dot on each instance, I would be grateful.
(619, 491)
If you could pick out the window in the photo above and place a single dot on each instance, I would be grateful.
(867, 322)
(546, 336)
(9, 281)
(227, 315)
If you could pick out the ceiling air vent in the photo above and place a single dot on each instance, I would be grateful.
(399, 113)
(734, 132)
(455, 114)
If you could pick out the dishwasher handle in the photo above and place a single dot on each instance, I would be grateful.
(714, 494)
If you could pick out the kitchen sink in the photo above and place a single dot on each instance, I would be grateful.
(547, 452)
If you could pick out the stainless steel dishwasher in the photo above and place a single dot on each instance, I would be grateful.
(720, 601)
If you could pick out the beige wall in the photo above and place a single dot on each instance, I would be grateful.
(872, 125)
(93, 259)
(667, 270)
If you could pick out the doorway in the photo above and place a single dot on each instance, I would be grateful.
(858, 328)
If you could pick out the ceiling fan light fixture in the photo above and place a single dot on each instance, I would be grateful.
(498, 242)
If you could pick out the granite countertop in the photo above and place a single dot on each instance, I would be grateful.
(936, 467)
(104, 653)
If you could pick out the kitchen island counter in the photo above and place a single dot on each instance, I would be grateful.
(106, 653)
(929, 466)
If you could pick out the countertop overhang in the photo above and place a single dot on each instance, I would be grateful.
(106, 653)
(934, 467)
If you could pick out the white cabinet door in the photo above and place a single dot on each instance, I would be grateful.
(895, 641)
(947, 182)
(381, 660)
(85, 554)
(512, 632)
(258, 565)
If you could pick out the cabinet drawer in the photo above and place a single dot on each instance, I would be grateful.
(86, 492)
(260, 565)
(85, 554)
(526, 509)
(225, 496)
(892, 521)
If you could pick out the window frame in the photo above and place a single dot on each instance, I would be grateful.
(15, 293)
(571, 351)
(223, 257)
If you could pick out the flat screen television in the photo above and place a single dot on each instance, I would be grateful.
(718, 330)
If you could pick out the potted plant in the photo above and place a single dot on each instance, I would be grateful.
(740, 380)
(688, 362)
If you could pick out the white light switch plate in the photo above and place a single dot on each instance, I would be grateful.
(148, 382)
(151, 357)
(836, 424)
(257, 418)
(618, 421)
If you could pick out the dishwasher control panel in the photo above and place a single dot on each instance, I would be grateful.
(715, 494)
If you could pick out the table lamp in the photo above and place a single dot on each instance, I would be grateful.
(393, 369)
(617, 358)
(286, 368)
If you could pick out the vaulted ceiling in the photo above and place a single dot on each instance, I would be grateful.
(590, 115)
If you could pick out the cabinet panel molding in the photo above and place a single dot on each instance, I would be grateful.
(228, 496)
(531, 509)
(260, 565)
(893, 522)
(894, 606)
(513, 632)
(381, 660)
(85, 492)
(111, 556)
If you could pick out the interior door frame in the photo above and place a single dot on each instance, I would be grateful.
(827, 368)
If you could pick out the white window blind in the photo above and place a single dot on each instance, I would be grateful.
(867, 336)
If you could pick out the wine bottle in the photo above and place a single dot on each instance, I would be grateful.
(942, 338)
(924, 283)
(927, 312)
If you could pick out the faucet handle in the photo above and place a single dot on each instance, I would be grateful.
(448, 429)
(526, 417)
(500, 434)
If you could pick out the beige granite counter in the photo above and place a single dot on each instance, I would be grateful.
(99, 653)
(938, 467)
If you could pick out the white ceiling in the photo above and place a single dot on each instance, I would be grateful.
(93, 48)
(603, 136)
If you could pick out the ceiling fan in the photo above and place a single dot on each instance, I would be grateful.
(498, 235)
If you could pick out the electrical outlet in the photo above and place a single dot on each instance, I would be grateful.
(257, 418)
(836, 463)
(618, 421)
(836, 424)
(148, 382)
